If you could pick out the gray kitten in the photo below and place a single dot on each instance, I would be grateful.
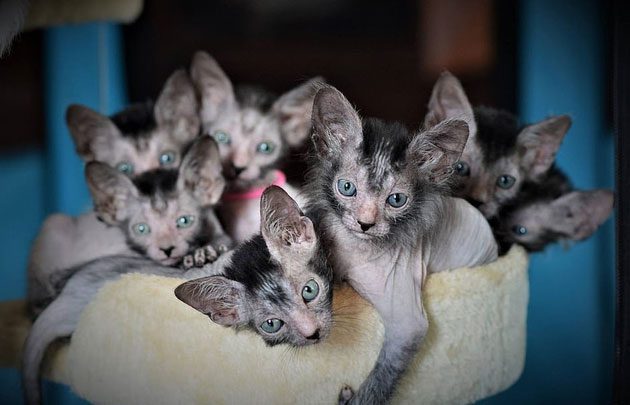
(379, 194)
(278, 285)
(500, 154)
(254, 130)
(143, 136)
(140, 138)
(549, 211)
(163, 214)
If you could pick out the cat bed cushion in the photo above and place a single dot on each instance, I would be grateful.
(137, 344)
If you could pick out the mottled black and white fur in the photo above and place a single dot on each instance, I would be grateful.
(379, 193)
(255, 130)
(162, 214)
(501, 154)
(550, 211)
(278, 278)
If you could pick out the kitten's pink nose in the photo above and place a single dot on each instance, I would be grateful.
(314, 336)
(365, 226)
(167, 251)
(238, 170)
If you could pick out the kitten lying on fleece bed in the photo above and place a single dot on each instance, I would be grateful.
(122, 353)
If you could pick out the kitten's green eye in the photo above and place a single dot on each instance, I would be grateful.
(346, 188)
(506, 181)
(125, 167)
(265, 147)
(222, 137)
(272, 325)
(397, 200)
(462, 169)
(167, 158)
(519, 230)
(185, 221)
(141, 229)
(310, 290)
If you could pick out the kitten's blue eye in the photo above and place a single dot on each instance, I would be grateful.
(310, 290)
(346, 188)
(141, 229)
(520, 230)
(185, 221)
(397, 200)
(506, 181)
(265, 147)
(462, 169)
(222, 137)
(272, 325)
(125, 167)
(167, 158)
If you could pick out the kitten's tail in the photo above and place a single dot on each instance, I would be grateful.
(57, 321)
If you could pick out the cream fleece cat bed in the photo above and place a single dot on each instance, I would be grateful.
(137, 344)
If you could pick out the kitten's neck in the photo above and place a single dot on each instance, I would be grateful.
(366, 265)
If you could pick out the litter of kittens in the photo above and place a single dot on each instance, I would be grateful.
(273, 219)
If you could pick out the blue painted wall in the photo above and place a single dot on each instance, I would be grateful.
(570, 324)
(83, 65)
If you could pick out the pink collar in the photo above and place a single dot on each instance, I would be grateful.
(280, 180)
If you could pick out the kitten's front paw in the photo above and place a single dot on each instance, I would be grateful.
(201, 257)
(346, 394)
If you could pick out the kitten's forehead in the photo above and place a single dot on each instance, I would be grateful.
(246, 125)
(497, 133)
(382, 152)
(135, 121)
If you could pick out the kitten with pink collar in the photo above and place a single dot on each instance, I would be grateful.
(254, 130)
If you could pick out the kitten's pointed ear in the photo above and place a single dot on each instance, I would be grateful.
(293, 110)
(200, 171)
(284, 227)
(538, 144)
(336, 124)
(436, 150)
(176, 108)
(449, 101)
(578, 214)
(216, 296)
(213, 85)
(90, 131)
(114, 194)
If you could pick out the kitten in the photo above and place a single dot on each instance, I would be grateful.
(550, 211)
(163, 214)
(142, 137)
(254, 130)
(500, 153)
(378, 193)
(278, 285)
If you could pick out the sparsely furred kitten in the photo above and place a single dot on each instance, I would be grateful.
(379, 193)
(143, 136)
(163, 214)
(550, 211)
(277, 285)
(254, 130)
(500, 153)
